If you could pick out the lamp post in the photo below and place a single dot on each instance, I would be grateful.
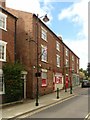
(72, 71)
(38, 74)
(70, 81)
(65, 70)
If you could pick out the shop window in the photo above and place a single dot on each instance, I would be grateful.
(44, 78)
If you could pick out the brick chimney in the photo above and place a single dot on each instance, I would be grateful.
(60, 37)
(3, 3)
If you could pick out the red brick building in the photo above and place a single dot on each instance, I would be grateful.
(57, 63)
(7, 40)
(55, 59)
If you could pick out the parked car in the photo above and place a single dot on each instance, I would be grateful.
(85, 83)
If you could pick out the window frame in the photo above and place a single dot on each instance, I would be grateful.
(67, 62)
(4, 16)
(73, 66)
(44, 54)
(3, 43)
(58, 60)
(77, 69)
(43, 34)
(57, 46)
(77, 61)
(45, 79)
(2, 82)
(67, 52)
(72, 57)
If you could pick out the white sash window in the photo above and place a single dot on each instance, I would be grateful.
(58, 60)
(2, 50)
(1, 82)
(3, 21)
(43, 53)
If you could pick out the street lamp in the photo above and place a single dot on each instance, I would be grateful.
(38, 74)
(72, 71)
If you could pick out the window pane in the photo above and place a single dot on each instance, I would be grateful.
(2, 52)
(67, 63)
(44, 35)
(58, 61)
(66, 52)
(44, 78)
(44, 53)
(57, 45)
(44, 75)
(1, 84)
(2, 21)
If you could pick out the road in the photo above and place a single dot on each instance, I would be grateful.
(77, 107)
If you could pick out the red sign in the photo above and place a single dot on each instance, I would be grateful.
(44, 82)
(67, 81)
(58, 80)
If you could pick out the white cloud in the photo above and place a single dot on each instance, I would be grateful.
(78, 14)
(80, 48)
(32, 6)
(59, 1)
(25, 5)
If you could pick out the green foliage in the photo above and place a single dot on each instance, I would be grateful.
(13, 82)
(81, 69)
(85, 72)
(88, 69)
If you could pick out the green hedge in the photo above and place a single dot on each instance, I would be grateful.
(13, 82)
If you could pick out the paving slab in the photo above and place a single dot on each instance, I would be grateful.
(12, 111)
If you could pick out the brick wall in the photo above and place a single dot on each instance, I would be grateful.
(8, 36)
(3, 3)
(27, 51)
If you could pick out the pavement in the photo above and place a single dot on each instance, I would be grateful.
(26, 106)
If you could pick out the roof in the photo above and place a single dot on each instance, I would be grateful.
(1, 8)
(58, 37)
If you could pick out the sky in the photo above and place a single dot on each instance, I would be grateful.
(68, 18)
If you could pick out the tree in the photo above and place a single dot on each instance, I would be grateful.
(81, 75)
(88, 69)
(81, 70)
(13, 82)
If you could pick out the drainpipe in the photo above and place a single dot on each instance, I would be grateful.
(64, 69)
(15, 41)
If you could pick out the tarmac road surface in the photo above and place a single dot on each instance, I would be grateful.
(76, 107)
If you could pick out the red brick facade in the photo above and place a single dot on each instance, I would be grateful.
(7, 37)
(26, 49)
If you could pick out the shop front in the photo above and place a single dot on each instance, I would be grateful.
(58, 81)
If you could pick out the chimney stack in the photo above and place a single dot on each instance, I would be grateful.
(3, 3)
(60, 38)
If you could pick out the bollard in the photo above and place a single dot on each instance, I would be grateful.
(57, 93)
(71, 89)
(65, 89)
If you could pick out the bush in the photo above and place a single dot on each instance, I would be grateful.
(13, 82)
